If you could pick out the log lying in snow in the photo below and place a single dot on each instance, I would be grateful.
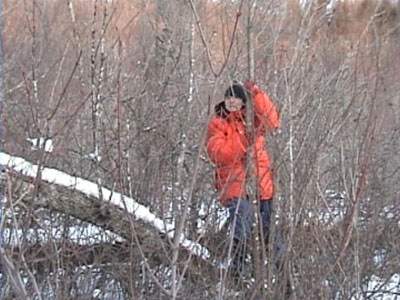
(81, 198)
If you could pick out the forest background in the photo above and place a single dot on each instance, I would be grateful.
(119, 93)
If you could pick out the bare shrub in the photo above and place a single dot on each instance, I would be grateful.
(124, 90)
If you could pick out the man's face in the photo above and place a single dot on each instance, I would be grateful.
(233, 104)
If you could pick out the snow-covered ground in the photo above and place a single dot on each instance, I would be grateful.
(374, 288)
(377, 288)
(41, 143)
(85, 234)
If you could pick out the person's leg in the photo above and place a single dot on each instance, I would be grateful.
(278, 246)
(241, 217)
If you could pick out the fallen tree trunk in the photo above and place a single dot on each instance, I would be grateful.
(80, 198)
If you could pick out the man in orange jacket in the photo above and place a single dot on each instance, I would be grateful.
(227, 144)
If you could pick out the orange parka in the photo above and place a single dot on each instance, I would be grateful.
(227, 145)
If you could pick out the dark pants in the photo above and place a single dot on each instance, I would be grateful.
(241, 215)
(242, 209)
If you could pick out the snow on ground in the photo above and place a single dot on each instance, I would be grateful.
(80, 235)
(213, 210)
(41, 143)
(378, 288)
